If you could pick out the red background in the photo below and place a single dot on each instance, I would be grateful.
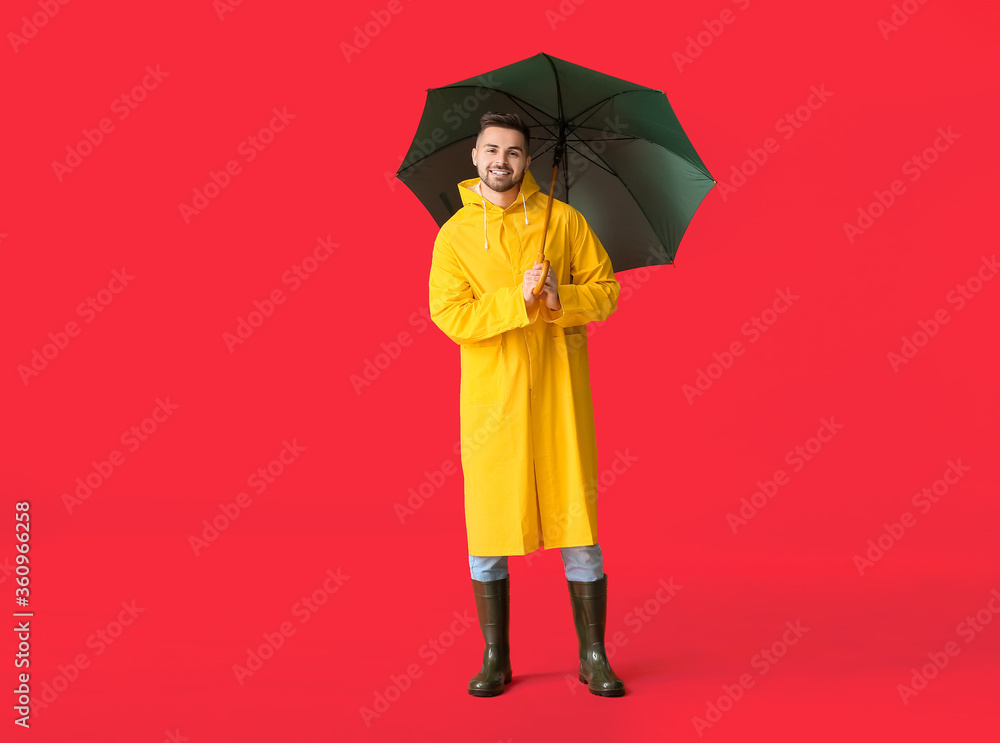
(169, 674)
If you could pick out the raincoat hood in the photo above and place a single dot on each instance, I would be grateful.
(469, 197)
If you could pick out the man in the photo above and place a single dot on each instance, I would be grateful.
(529, 453)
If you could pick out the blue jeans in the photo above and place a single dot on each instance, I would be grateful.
(580, 563)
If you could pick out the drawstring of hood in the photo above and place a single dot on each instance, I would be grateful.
(486, 241)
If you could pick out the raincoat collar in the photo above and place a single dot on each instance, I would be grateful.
(528, 187)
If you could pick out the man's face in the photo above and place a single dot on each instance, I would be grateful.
(500, 158)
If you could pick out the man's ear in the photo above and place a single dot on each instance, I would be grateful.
(527, 163)
(474, 149)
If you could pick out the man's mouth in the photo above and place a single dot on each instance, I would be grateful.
(499, 172)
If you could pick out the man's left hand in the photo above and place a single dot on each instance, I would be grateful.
(550, 289)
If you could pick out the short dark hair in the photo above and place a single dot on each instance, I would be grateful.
(506, 121)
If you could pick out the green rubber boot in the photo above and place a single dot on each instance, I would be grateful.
(493, 607)
(590, 610)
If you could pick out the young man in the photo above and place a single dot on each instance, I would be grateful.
(529, 453)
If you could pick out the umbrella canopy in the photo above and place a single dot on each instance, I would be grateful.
(628, 167)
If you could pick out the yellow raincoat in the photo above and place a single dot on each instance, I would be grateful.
(529, 452)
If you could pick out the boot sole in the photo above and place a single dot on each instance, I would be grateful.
(489, 692)
(485, 693)
(609, 693)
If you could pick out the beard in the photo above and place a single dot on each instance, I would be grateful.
(500, 185)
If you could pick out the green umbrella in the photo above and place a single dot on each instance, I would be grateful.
(627, 164)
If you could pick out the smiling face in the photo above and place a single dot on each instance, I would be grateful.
(500, 158)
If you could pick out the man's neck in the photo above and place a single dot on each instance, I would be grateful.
(503, 200)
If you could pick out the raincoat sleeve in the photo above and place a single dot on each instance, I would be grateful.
(593, 294)
(463, 317)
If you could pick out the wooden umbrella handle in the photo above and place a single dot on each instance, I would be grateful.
(545, 228)
(541, 279)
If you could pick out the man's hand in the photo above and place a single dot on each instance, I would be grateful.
(550, 289)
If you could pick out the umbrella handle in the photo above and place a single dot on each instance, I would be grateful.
(541, 279)
(545, 228)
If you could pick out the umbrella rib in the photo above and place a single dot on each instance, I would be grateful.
(537, 122)
(605, 139)
(629, 190)
(602, 167)
(514, 98)
(580, 123)
(555, 74)
(663, 147)
(551, 143)
(601, 103)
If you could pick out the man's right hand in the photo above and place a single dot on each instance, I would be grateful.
(531, 279)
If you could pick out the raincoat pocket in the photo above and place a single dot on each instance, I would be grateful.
(483, 379)
(571, 346)
(573, 338)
